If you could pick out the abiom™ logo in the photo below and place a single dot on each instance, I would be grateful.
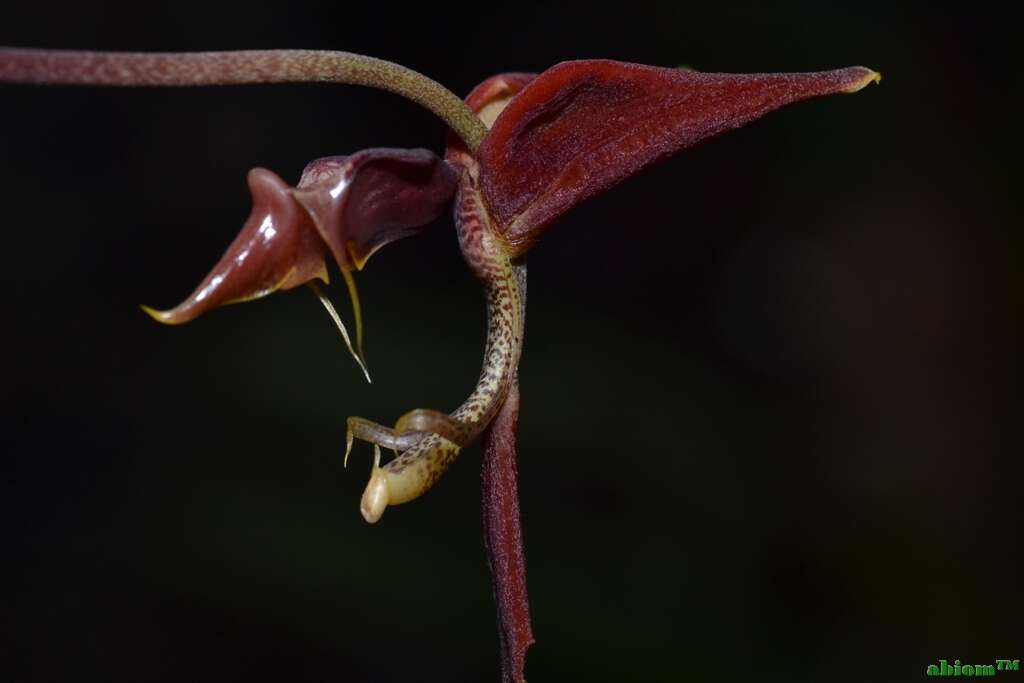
(944, 668)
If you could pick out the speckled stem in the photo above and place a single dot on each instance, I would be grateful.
(71, 67)
(415, 470)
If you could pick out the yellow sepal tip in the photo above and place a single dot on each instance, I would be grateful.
(870, 76)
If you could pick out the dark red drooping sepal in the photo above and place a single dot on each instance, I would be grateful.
(581, 127)
(503, 538)
(349, 206)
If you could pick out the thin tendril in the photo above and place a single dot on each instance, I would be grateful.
(357, 309)
(315, 287)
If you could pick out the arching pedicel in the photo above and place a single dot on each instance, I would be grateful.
(416, 469)
(427, 441)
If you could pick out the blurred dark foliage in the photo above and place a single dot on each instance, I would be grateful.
(771, 421)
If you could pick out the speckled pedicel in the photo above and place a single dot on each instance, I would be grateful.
(441, 437)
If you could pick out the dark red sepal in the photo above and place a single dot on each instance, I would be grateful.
(503, 538)
(581, 127)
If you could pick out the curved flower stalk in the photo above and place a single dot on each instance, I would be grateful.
(428, 441)
(524, 150)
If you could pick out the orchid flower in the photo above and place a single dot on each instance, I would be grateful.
(523, 149)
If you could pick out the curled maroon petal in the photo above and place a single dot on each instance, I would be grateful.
(277, 248)
(581, 127)
(361, 202)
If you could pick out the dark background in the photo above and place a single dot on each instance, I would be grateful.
(771, 425)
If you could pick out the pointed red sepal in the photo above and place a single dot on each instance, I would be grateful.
(581, 127)
(350, 206)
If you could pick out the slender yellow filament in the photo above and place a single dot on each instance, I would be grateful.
(313, 285)
(357, 310)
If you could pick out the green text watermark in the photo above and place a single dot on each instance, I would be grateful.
(944, 668)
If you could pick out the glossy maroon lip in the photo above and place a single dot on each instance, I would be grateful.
(349, 206)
